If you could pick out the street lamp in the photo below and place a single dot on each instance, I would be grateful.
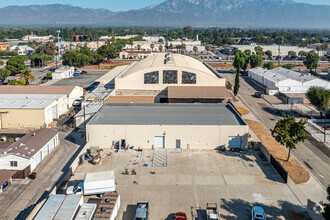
(58, 40)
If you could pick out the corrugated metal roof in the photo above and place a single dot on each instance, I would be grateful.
(167, 114)
(28, 101)
(50, 208)
(131, 99)
(69, 207)
(203, 92)
(42, 90)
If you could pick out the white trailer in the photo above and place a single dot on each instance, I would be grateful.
(95, 184)
(69, 207)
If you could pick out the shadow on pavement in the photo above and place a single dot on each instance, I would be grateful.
(241, 209)
(130, 212)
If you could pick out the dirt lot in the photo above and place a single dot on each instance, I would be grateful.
(108, 65)
(296, 172)
(190, 179)
(241, 109)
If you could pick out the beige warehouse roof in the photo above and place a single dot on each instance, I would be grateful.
(109, 76)
(204, 92)
(36, 89)
(175, 61)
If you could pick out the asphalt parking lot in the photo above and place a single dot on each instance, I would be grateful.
(187, 181)
(84, 80)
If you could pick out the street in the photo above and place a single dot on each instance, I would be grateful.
(39, 73)
(312, 154)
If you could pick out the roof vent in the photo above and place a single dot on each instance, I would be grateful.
(32, 150)
(34, 134)
(21, 144)
(103, 209)
(107, 200)
(29, 152)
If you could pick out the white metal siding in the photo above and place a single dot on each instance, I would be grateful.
(38, 158)
(234, 142)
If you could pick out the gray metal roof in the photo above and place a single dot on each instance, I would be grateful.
(167, 114)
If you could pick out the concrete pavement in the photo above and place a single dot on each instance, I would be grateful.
(311, 154)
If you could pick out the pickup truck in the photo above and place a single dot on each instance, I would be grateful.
(212, 211)
(142, 211)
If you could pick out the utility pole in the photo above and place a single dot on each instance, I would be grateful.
(85, 124)
(59, 46)
(41, 51)
(325, 126)
(279, 55)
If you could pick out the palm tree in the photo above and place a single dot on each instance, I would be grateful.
(171, 46)
(27, 75)
(138, 47)
(71, 36)
(318, 48)
(131, 42)
(195, 50)
(160, 48)
(152, 46)
(183, 47)
(113, 41)
(207, 48)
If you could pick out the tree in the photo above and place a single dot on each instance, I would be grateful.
(195, 50)
(71, 36)
(152, 46)
(4, 73)
(318, 48)
(207, 48)
(160, 48)
(289, 133)
(49, 75)
(138, 47)
(187, 31)
(312, 61)
(183, 47)
(239, 62)
(28, 76)
(48, 48)
(16, 63)
(255, 60)
(247, 52)
(36, 59)
(269, 53)
(258, 50)
(292, 54)
(171, 46)
(319, 97)
(288, 66)
(269, 65)
(229, 86)
(326, 210)
(302, 53)
(1, 62)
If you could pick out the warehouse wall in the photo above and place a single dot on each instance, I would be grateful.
(136, 81)
(197, 137)
(22, 119)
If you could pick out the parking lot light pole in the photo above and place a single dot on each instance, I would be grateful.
(58, 40)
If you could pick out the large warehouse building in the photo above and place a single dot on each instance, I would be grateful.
(287, 81)
(170, 126)
(153, 77)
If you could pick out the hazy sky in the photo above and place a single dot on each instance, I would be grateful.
(113, 5)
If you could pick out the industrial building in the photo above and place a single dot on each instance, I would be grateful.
(27, 153)
(34, 107)
(287, 81)
(182, 126)
(153, 76)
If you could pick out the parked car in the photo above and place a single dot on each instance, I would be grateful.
(259, 94)
(232, 71)
(258, 213)
(180, 216)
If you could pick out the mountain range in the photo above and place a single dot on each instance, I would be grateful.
(197, 13)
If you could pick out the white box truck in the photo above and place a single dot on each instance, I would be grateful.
(95, 184)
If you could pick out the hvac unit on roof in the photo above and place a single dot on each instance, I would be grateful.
(33, 134)
(21, 144)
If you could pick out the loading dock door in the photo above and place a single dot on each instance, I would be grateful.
(38, 158)
(54, 112)
(159, 142)
(234, 142)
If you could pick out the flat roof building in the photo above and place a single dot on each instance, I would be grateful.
(196, 126)
(287, 81)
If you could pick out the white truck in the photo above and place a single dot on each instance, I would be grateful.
(95, 184)
(212, 211)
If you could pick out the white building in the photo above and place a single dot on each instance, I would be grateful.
(186, 42)
(63, 73)
(32, 37)
(22, 50)
(169, 126)
(274, 48)
(27, 153)
(287, 81)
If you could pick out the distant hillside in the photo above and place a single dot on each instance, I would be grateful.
(198, 13)
(52, 14)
